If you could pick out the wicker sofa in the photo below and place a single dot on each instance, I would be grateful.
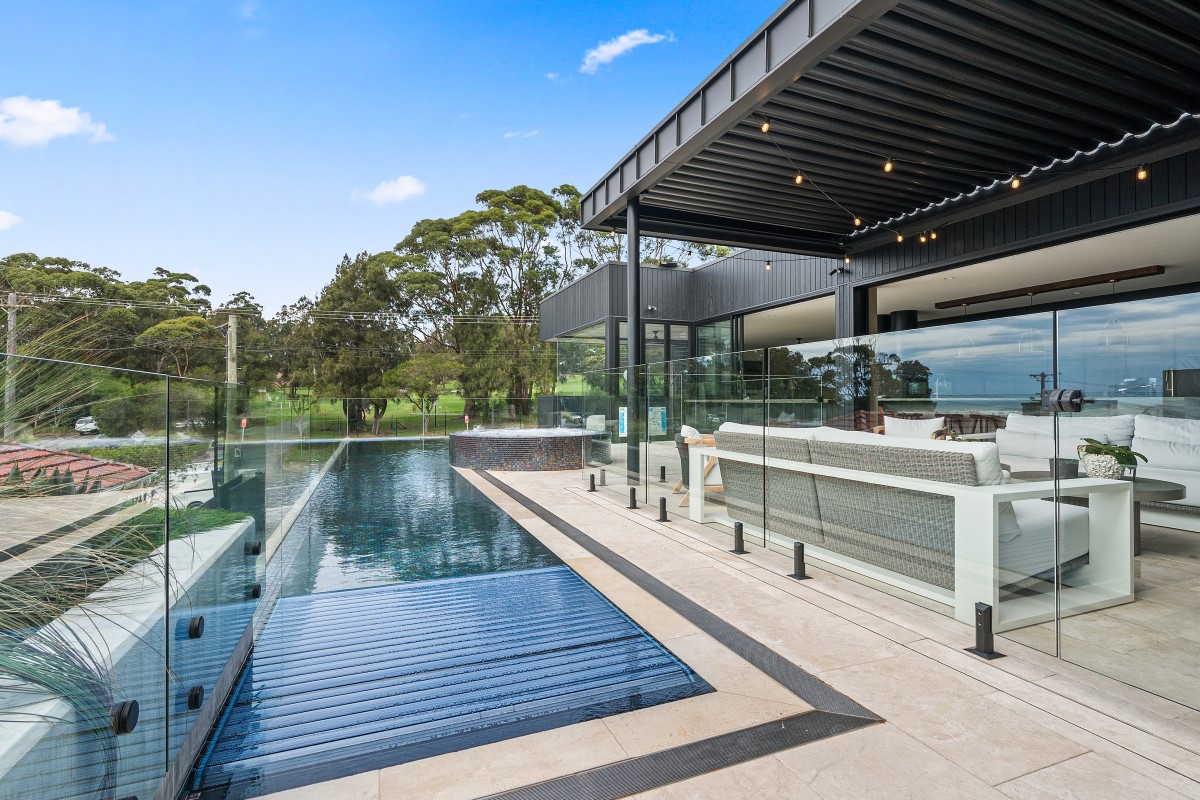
(920, 514)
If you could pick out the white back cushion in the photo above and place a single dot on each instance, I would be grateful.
(1114, 430)
(1168, 443)
(756, 430)
(1038, 445)
(913, 428)
(688, 432)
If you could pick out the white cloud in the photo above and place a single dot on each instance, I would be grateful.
(7, 220)
(248, 9)
(27, 122)
(552, 76)
(522, 134)
(403, 188)
(605, 52)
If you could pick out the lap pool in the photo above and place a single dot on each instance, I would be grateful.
(416, 618)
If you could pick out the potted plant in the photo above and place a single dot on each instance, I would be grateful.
(1102, 460)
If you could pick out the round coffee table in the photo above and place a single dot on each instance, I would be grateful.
(1149, 490)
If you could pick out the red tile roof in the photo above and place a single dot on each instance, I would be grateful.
(30, 459)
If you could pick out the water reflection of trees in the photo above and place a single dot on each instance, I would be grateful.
(403, 515)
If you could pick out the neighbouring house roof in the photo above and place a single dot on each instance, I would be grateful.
(83, 467)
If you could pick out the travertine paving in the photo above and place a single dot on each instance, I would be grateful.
(1024, 726)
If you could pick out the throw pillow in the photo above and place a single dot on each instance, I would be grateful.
(912, 428)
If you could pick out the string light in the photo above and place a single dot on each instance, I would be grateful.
(924, 238)
(899, 238)
(888, 166)
(766, 126)
(858, 222)
(799, 178)
(847, 259)
(1143, 173)
(768, 265)
(933, 234)
(1016, 183)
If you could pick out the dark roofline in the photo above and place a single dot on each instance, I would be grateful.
(799, 34)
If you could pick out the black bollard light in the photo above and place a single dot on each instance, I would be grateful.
(662, 474)
(985, 641)
(633, 497)
(662, 509)
(798, 562)
(739, 539)
(602, 481)
(592, 482)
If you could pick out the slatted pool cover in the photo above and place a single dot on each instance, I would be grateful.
(348, 681)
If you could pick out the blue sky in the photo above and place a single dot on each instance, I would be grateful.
(253, 143)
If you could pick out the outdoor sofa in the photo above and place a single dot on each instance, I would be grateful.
(936, 518)
(1171, 447)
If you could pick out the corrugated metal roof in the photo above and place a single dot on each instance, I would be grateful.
(406, 671)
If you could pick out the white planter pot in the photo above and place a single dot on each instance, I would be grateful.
(1100, 466)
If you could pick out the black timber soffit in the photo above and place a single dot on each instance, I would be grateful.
(960, 96)
(674, 223)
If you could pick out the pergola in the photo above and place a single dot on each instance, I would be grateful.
(843, 124)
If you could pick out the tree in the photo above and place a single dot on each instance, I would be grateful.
(183, 342)
(584, 250)
(359, 330)
(422, 379)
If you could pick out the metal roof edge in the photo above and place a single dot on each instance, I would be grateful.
(827, 24)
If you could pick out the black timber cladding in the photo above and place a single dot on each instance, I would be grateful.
(959, 93)
(739, 282)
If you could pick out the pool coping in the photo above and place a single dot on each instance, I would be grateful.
(831, 711)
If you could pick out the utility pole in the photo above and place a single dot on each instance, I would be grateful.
(10, 383)
(231, 397)
(231, 350)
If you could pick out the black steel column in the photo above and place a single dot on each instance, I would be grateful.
(633, 317)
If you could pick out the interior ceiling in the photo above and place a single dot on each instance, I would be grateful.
(958, 94)
(1174, 244)
(808, 321)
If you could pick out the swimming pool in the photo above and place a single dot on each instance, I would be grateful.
(391, 512)
(417, 618)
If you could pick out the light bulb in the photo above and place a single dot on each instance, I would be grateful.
(888, 166)
(858, 222)
(933, 234)
(799, 178)
(768, 266)
(899, 238)
(1142, 173)
(1016, 183)
(847, 259)
(766, 126)
(924, 238)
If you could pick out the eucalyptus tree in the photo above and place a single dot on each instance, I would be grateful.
(360, 329)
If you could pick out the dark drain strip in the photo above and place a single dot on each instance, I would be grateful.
(643, 773)
(815, 692)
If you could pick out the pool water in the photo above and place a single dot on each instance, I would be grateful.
(392, 512)
(417, 618)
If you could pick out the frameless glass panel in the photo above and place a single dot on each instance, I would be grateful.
(83, 581)
(1138, 365)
